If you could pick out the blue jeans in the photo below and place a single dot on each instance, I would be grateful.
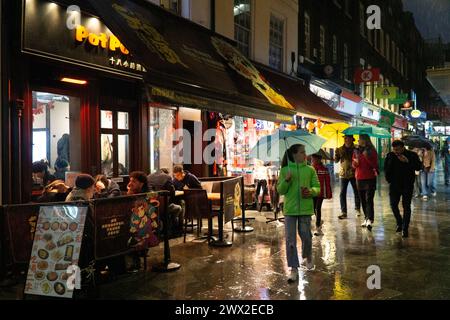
(304, 230)
(428, 182)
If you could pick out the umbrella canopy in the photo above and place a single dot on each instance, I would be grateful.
(417, 142)
(369, 130)
(325, 155)
(273, 147)
(334, 134)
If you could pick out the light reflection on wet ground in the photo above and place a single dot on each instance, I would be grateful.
(255, 266)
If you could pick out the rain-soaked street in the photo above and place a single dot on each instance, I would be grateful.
(255, 266)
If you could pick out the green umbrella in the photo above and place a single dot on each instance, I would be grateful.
(273, 147)
(369, 130)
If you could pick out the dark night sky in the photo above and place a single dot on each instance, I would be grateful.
(432, 17)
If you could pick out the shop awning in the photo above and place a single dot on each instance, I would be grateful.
(189, 64)
(306, 103)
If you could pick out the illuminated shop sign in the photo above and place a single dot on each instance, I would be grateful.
(89, 43)
(100, 40)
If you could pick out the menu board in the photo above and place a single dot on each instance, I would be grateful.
(56, 246)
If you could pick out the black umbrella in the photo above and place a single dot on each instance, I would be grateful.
(417, 142)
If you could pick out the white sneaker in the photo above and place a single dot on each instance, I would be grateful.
(293, 276)
(364, 224)
(309, 265)
(434, 194)
(425, 198)
(369, 225)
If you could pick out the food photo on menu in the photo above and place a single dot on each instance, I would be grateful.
(56, 247)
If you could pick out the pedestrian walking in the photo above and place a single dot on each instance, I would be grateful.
(418, 184)
(365, 162)
(446, 161)
(427, 175)
(347, 175)
(298, 183)
(400, 166)
(325, 190)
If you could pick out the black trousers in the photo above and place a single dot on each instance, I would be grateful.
(318, 210)
(406, 195)
(366, 197)
(343, 194)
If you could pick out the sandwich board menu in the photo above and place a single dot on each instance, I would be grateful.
(56, 247)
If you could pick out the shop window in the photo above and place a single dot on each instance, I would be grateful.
(388, 48)
(56, 131)
(346, 62)
(161, 130)
(307, 36)
(322, 45)
(335, 56)
(276, 43)
(242, 25)
(114, 143)
(362, 20)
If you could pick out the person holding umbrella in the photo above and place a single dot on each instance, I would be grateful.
(446, 162)
(365, 162)
(400, 166)
(347, 174)
(298, 183)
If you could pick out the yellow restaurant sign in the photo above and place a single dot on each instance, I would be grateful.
(100, 40)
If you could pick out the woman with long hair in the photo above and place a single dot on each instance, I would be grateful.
(365, 162)
(298, 183)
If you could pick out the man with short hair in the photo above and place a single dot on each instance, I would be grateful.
(400, 166)
(184, 179)
(138, 183)
(347, 175)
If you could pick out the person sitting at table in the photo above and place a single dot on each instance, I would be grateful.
(184, 179)
(138, 183)
(41, 175)
(56, 191)
(84, 189)
(106, 188)
(161, 180)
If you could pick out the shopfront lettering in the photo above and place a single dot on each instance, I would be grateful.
(111, 42)
(118, 62)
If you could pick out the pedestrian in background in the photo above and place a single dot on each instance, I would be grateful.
(347, 175)
(325, 190)
(400, 166)
(298, 183)
(446, 161)
(427, 176)
(365, 162)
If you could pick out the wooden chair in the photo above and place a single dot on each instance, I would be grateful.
(198, 206)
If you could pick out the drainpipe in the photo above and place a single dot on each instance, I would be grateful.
(213, 15)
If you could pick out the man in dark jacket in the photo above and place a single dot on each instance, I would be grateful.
(184, 179)
(161, 180)
(400, 166)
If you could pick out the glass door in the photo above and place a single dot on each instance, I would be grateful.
(114, 142)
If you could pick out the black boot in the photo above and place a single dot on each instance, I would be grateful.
(405, 233)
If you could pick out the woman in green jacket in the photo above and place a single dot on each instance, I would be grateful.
(298, 183)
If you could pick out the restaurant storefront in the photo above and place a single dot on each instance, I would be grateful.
(112, 106)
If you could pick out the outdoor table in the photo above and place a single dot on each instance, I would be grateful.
(213, 196)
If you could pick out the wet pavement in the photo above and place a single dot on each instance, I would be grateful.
(255, 267)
